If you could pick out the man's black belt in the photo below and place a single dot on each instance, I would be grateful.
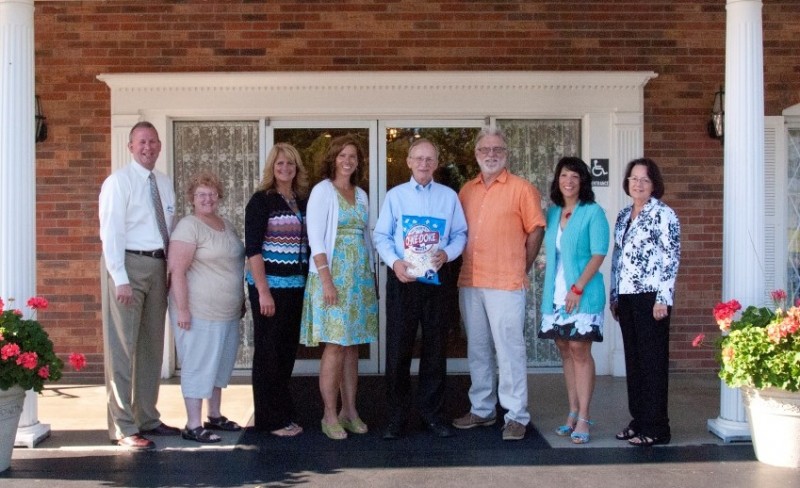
(158, 253)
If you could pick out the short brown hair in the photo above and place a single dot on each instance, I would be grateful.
(140, 125)
(652, 172)
(203, 178)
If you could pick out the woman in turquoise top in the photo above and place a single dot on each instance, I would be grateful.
(576, 242)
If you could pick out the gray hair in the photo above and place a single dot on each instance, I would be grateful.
(423, 140)
(491, 131)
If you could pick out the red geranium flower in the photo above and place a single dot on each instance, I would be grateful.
(77, 360)
(9, 351)
(28, 360)
(44, 372)
(778, 296)
(37, 303)
(724, 312)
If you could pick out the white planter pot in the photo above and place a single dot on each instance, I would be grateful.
(11, 402)
(774, 417)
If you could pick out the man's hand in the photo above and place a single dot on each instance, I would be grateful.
(125, 294)
(439, 259)
(400, 269)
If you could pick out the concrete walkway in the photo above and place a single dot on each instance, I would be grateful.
(78, 454)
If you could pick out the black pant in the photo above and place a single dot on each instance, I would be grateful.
(409, 305)
(275, 342)
(646, 342)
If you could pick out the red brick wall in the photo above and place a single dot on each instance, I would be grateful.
(683, 41)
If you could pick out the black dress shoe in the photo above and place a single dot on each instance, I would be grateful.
(136, 442)
(393, 432)
(162, 430)
(439, 429)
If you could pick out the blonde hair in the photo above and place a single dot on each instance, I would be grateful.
(300, 181)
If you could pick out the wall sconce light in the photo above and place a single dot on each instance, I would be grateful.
(716, 128)
(41, 124)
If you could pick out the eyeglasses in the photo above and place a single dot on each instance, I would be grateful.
(634, 180)
(485, 151)
(202, 195)
(420, 160)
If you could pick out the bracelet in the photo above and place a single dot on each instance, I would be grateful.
(322, 267)
(574, 289)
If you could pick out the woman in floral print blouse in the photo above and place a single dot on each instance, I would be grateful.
(643, 269)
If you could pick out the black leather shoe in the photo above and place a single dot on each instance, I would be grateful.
(439, 429)
(393, 432)
(135, 442)
(162, 430)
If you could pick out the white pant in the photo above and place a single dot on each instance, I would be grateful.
(494, 321)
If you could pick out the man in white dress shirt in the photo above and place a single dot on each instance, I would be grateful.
(134, 285)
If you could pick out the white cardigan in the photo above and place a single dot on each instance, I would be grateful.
(322, 217)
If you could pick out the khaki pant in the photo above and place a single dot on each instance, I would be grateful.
(133, 345)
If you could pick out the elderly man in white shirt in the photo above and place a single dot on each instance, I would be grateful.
(137, 205)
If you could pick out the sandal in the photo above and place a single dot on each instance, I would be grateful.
(626, 433)
(334, 431)
(566, 429)
(355, 426)
(642, 440)
(581, 437)
(200, 434)
(221, 423)
(291, 430)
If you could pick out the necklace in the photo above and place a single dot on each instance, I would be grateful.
(286, 199)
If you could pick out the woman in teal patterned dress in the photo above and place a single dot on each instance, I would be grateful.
(340, 306)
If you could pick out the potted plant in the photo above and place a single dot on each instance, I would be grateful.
(760, 353)
(27, 361)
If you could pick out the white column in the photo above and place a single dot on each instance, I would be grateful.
(743, 217)
(628, 135)
(17, 178)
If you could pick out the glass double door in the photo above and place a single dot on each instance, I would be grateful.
(385, 144)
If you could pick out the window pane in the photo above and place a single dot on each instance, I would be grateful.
(535, 146)
(793, 214)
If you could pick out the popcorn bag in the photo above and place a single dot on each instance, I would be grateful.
(420, 243)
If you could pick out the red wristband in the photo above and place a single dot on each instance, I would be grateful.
(574, 289)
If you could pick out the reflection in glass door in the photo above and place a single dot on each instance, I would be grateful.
(230, 149)
(312, 141)
(454, 139)
(535, 146)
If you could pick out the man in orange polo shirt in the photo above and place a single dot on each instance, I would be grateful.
(505, 229)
